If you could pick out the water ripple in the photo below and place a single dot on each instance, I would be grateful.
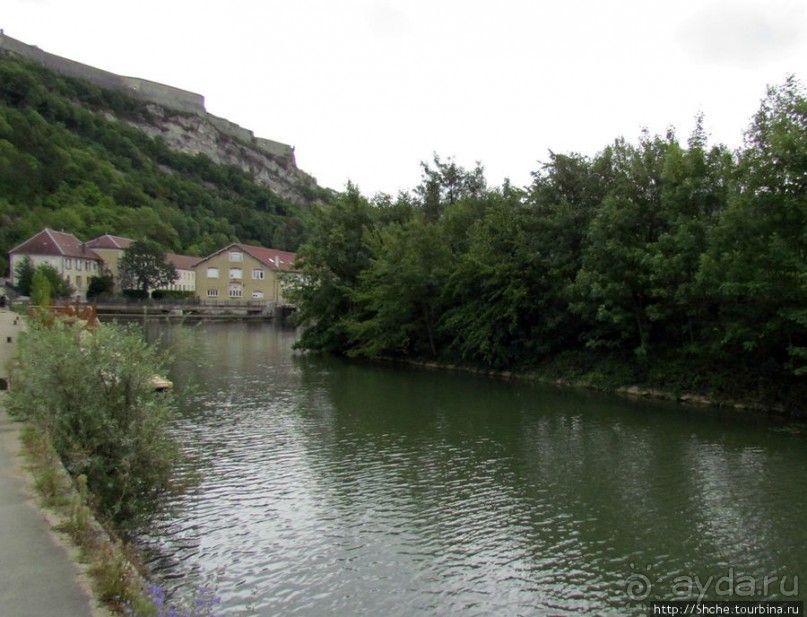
(330, 489)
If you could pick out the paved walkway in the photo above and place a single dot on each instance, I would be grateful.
(38, 577)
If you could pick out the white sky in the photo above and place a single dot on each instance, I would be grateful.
(366, 89)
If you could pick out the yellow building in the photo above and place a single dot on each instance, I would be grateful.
(243, 273)
(110, 248)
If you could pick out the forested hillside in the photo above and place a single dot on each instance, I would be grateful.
(68, 160)
(668, 264)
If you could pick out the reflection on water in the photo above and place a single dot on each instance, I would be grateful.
(330, 488)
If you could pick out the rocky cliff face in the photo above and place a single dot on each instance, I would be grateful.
(272, 164)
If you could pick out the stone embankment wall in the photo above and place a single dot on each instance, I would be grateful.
(199, 132)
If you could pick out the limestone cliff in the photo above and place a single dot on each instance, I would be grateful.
(179, 117)
(271, 164)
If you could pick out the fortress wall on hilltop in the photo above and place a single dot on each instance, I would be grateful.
(141, 88)
(166, 96)
(272, 148)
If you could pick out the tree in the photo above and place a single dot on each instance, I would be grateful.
(40, 289)
(24, 276)
(398, 296)
(101, 285)
(756, 263)
(59, 288)
(612, 289)
(331, 263)
(143, 266)
(447, 183)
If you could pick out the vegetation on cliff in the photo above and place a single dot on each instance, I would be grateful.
(69, 162)
(675, 265)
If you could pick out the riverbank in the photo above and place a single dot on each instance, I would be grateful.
(194, 312)
(685, 383)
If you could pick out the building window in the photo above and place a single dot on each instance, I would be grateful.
(235, 292)
(212, 293)
(235, 274)
(212, 273)
(78, 281)
(236, 256)
(68, 263)
(257, 295)
(78, 264)
(257, 274)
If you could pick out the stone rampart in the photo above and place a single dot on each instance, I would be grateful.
(161, 94)
(167, 96)
(153, 92)
(268, 146)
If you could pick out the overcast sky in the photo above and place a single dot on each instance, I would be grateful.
(366, 89)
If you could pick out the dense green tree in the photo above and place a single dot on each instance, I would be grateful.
(443, 184)
(331, 263)
(24, 275)
(101, 285)
(59, 288)
(40, 289)
(755, 268)
(696, 183)
(612, 288)
(143, 266)
(397, 298)
(25, 271)
(491, 295)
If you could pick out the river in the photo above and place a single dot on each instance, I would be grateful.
(336, 488)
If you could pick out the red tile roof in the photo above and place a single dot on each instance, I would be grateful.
(274, 259)
(55, 243)
(182, 262)
(108, 241)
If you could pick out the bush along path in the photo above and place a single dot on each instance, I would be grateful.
(97, 438)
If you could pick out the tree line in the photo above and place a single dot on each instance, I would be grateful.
(678, 264)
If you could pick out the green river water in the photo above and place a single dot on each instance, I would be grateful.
(335, 488)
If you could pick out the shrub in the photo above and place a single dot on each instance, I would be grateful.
(91, 392)
(171, 294)
(137, 294)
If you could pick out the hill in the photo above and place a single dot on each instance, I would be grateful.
(95, 160)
